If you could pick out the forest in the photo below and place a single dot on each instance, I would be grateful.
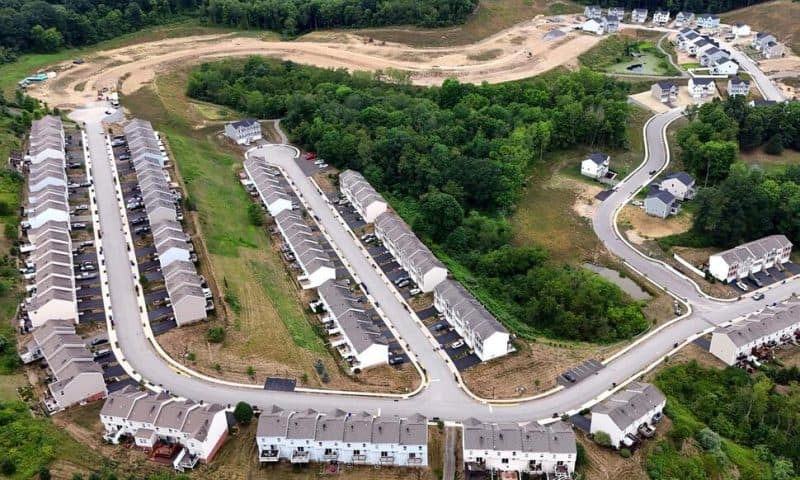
(452, 160)
(42, 27)
(732, 420)
(710, 144)
(674, 6)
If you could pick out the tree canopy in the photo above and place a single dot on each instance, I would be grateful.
(452, 160)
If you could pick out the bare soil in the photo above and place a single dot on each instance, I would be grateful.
(644, 226)
(531, 370)
(130, 67)
(698, 257)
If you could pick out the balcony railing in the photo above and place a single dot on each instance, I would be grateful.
(330, 456)
(359, 458)
(269, 456)
(300, 457)
(389, 459)
(415, 461)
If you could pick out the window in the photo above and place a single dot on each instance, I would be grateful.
(504, 461)
(412, 455)
(356, 452)
(384, 454)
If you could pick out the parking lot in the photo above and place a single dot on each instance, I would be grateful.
(434, 321)
(581, 372)
(765, 278)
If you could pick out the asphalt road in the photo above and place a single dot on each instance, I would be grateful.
(443, 397)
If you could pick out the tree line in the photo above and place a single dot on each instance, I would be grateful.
(674, 6)
(452, 160)
(730, 420)
(43, 27)
(737, 203)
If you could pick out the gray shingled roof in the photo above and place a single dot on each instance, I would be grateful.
(356, 325)
(756, 249)
(330, 427)
(682, 177)
(120, 403)
(273, 423)
(759, 326)
(358, 428)
(630, 404)
(386, 430)
(147, 408)
(598, 158)
(414, 430)
(302, 425)
(471, 312)
(418, 256)
(360, 188)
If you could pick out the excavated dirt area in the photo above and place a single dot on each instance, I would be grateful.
(518, 52)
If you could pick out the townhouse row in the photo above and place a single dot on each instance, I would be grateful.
(175, 253)
(532, 449)
(629, 414)
(737, 342)
(351, 438)
(47, 223)
(750, 258)
(179, 431)
(76, 378)
(479, 329)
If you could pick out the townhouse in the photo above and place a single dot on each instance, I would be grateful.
(175, 252)
(767, 44)
(702, 87)
(737, 342)
(750, 258)
(479, 329)
(665, 91)
(683, 18)
(186, 294)
(312, 257)
(661, 17)
(341, 437)
(48, 226)
(680, 184)
(639, 15)
(243, 132)
(150, 420)
(738, 86)
(660, 203)
(76, 378)
(708, 20)
(357, 338)
(367, 202)
(532, 449)
(596, 165)
(633, 410)
(409, 251)
(268, 185)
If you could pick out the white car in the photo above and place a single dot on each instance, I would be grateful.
(457, 344)
(742, 285)
(323, 165)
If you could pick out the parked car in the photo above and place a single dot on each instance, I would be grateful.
(98, 341)
(79, 226)
(569, 377)
(403, 283)
(743, 286)
(414, 291)
(397, 360)
(440, 326)
(758, 296)
(457, 344)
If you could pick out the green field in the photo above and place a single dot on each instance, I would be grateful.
(616, 53)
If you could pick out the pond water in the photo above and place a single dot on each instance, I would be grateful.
(636, 67)
(626, 284)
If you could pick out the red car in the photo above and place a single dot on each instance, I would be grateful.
(311, 156)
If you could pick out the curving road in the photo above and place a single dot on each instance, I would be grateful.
(443, 396)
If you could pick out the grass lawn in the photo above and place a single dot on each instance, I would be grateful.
(28, 64)
(8, 386)
(615, 54)
(490, 17)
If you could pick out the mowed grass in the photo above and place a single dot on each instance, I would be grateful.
(8, 386)
(490, 17)
(780, 18)
(240, 253)
(29, 64)
(544, 214)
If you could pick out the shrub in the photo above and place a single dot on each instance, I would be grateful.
(602, 438)
(775, 145)
(251, 372)
(7, 467)
(708, 439)
(255, 214)
(215, 334)
(325, 377)
(243, 413)
(581, 459)
(624, 453)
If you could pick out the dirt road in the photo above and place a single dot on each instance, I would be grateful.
(516, 53)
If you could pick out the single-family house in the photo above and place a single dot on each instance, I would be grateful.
(595, 25)
(639, 15)
(635, 407)
(736, 342)
(711, 55)
(243, 132)
(702, 87)
(740, 30)
(724, 66)
(661, 17)
(738, 86)
(665, 91)
(422, 266)
(479, 329)
(680, 184)
(685, 39)
(750, 258)
(684, 18)
(592, 11)
(618, 12)
(767, 44)
(611, 23)
(596, 165)
(661, 204)
(533, 449)
(708, 20)
(367, 202)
